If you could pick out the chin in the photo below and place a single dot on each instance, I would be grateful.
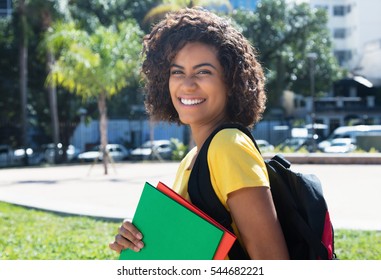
(187, 121)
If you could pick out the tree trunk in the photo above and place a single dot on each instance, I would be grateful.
(102, 107)
(280, 82)
(46, 15)
(23, 61)
(53, 107)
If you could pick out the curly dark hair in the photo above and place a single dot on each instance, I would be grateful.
(243, 74)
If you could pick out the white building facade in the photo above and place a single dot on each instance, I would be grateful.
(354, 25)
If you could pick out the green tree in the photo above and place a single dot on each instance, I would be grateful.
(39, 115)
(89, 14)
(30, 18)
(8, 84)
(284, 35)
(97, 64)
(172, 5)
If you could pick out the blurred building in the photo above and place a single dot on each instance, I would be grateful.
(369, 64)
(356, 34)
(5, 8)
(353, 101)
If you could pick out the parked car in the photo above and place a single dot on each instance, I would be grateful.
(264, 146)
(297, 143)
(156, 149)
(340, 145)
(117, 152)
(48, 150)
(294, 143)
(6, 155)
(16, 157)
(350, 132)
(34, 156)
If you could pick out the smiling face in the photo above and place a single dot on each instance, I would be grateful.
(196, 85)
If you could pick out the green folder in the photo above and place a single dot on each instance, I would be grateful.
(171, 231)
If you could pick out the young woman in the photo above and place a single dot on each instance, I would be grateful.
(202, 72)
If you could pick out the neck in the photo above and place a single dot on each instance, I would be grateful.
(201, 132)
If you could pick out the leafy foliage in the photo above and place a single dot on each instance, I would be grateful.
(166, 6)
(89, 14)
(180, 149)
(97, 64)
(93, 63)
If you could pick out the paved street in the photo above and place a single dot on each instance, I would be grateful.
(353, 192)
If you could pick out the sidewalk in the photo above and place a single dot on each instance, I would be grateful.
(83, 189)
(353, 192)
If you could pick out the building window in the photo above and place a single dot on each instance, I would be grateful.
(343, 56)
(5, 7)
(341, 33)
(341, 10)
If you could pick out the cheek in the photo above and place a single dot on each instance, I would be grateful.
(171, 88)
(222, 91)
(171, 85)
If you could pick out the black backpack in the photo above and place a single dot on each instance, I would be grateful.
(298, 199)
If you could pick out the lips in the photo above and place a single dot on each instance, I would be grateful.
(191, 102)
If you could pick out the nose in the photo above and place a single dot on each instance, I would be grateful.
(189, 83)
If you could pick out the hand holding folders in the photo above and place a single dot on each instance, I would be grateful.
(175, 229)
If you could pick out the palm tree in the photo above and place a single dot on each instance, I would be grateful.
(45, 12)
(96, 65)
(23, 68)
(174, 5)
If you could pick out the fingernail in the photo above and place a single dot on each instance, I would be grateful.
(140, 245)
(139, 235)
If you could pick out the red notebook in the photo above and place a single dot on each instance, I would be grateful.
(227, 239)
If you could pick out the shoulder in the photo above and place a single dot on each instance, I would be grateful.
(235, 163)
(233, 147)
(231, 138)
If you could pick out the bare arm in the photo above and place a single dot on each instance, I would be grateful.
(254, 214)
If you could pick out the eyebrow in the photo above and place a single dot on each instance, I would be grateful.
(196, 66)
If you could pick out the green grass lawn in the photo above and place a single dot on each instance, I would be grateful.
(27, 234)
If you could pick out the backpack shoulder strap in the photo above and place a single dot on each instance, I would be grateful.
(202, 194)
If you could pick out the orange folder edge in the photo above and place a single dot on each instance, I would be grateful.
(227, 239)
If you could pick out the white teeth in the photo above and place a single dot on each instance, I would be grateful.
(191, 101)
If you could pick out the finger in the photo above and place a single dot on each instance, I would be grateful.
(131, 228)
(130, 232)
(116, 247)
(128, 235)
(127, 244)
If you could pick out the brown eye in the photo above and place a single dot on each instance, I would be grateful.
(204, 72)
(176, 72)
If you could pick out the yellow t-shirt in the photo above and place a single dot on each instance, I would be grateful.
(234, 163)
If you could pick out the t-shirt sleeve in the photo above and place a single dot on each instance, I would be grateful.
(235, 163)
